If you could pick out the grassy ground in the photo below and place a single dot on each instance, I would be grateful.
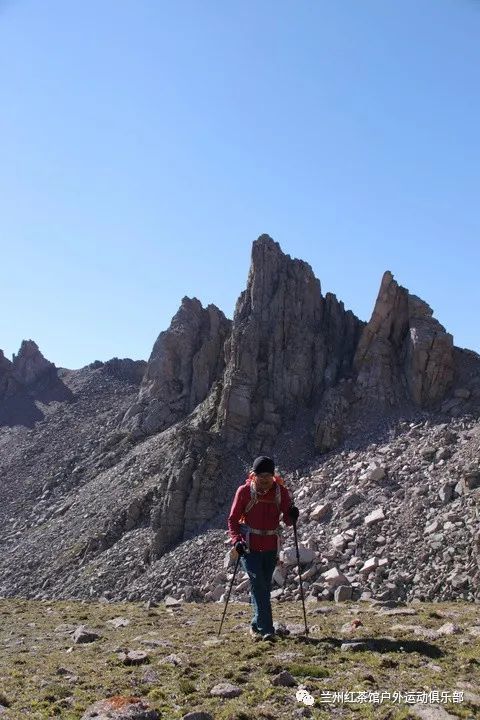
(43, 674)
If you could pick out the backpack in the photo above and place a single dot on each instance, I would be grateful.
(254, 499)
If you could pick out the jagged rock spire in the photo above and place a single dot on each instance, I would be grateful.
(403, 353)
(29, 364)
(287, 344)
(185, 362)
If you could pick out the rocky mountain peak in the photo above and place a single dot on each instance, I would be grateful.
(403, 353)
(186, 360)
(287, 344)
(29, 364)
(24, 381)
(270, 266)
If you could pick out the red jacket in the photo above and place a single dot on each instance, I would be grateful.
(264, 515)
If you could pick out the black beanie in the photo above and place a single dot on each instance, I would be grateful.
(264, 464)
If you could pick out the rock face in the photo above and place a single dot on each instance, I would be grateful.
(288, 344)
(403, 353)
(185, 362)
(30, 365)
(430, 366)
(23, 382)
(9, 385)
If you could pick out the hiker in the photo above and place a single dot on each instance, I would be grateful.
(253, 524)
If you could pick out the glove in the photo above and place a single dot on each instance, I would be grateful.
(293, 512)
(240, 547)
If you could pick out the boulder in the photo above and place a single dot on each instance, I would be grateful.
(374, 516)
(321, 511)
(121, 707)
(84, 635)
(226, 690)
(334, 578)
(289, 555)
(342, 593)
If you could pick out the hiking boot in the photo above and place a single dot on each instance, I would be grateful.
(269, 636)
(254, 634)
(281, 630)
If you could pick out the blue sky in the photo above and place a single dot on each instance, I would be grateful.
(145, 144)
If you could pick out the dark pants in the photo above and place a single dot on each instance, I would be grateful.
(260, 567)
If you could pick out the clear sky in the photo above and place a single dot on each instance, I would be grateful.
(145, 144)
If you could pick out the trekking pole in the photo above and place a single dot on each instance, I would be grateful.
(300, 575)
(228, 596)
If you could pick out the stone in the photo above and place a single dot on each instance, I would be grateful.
(374, 516)
(118, 622)
(321, 511)
(352, 499)
(471, 698)
(310, 573)
(398, 611)
(369, 565)
(351, 627)
(430, 712)
(449, 629)
(245, 584)
(342, 593)
(471, 480)
(354, 646)
(198, 716)
(121, 707)
(374, 473)
(84, 635)
(284, 679)
(339, 542)
(428, 453)
(217, 592)
(446, 492)
(150, 677)
(177, 659)
(226, 690)
(172, 602)
(133, 657)
(334, 578)
(289, 555)
(280, 629)
(279, 575)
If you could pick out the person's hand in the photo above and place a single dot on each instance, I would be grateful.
(293, 512)
(240, 547)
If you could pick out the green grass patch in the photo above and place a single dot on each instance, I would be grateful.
(307, 670)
